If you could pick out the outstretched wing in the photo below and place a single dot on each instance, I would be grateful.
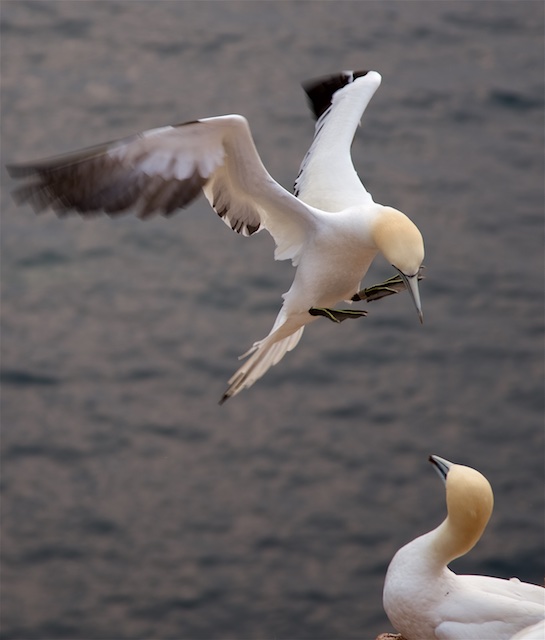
(163, 170)
(327, 178)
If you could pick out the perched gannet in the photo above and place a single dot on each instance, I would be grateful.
(425, 600)
(331, 229)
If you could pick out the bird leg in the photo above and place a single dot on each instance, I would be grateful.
(393, 285)
(337, 315)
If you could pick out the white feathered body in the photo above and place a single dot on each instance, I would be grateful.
(425, 600)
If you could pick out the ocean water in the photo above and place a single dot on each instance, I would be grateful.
(134, 507)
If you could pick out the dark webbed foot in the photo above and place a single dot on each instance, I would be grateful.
(338, 315)
(393, 285)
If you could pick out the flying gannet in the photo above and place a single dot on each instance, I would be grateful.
(425, 600)
(331, 229)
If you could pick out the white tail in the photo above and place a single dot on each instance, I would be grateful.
(263, 355)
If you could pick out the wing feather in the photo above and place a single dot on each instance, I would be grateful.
(327, 178)
(163, 170)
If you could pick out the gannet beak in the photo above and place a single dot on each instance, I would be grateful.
(411, 282)
(441, 465)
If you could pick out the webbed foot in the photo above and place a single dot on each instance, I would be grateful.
(337, 315)
(393, 285)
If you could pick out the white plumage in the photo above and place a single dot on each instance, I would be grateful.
(533, 632)
(425, 600)
(331, 228)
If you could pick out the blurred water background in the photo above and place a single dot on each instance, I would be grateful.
(134, 506)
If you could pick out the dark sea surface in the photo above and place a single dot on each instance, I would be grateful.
(134, 507)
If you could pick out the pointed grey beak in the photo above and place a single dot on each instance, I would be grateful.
(411, 282)
(441, 465)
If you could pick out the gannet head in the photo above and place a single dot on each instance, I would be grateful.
(470, 502)
(401, 243)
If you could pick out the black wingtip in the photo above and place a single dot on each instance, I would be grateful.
(18, 170)
(320, 90)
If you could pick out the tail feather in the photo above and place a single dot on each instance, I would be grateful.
(263, 355)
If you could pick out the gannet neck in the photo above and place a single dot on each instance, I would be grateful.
(469, 504)
(424, 599)
(399, 240)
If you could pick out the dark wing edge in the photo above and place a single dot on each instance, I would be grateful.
(320, 90)
(240, 217)
(92, 181)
